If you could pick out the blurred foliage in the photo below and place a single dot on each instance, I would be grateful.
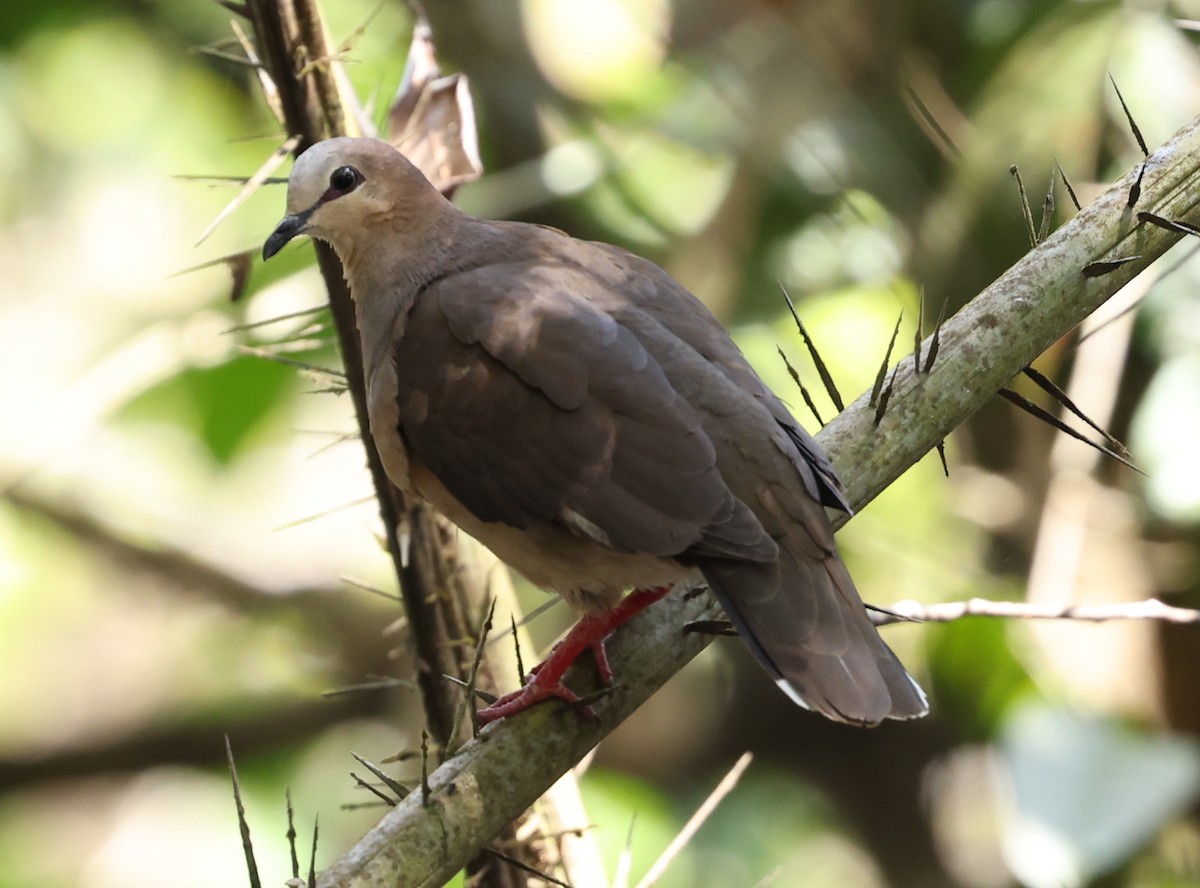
(854, 153)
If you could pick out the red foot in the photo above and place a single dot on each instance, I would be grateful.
(545, 679)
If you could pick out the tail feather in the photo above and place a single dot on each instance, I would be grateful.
(803, 620)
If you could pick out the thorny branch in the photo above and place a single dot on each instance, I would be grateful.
(1040, 299)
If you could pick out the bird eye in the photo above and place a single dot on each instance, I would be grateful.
(344, 179)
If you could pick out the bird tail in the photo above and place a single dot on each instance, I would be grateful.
(804, 622)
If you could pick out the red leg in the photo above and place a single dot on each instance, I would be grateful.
(545, 679)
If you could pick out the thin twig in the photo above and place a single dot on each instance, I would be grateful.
(278, 156)
(947, 612)
(722, 789)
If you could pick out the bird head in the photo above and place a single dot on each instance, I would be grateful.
(341, 189)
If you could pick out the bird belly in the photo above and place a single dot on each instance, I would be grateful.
(589, 575)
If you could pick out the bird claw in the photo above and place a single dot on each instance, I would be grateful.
(544, 681)
(534, 692)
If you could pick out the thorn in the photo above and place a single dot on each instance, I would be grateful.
(803, 391)
(920, 327)
(892, 616)
(366, 686)
(425, 792)
(526, 868)
(318, 515)
(1067, 184)
(1137, 133)
(882, 374)
(1025, 210)
(1059, 395)
(391, 783)
(358, 806)
(367, 587)
(822, 370)
(291, 832)
(1135, 190)
(583, 704)
(887, 396)
(550, 602)
(1047, 211)
(312, 860)
(512, 620)
(941, 451)
(235, 180)
(1169, 225)
(710, 627)
(1051, 420)
(269, 355)
(1108, 266)
(239, 269)
(476, 692)
(936, 340)
(214, 52)
(244, 328)
(243, 825)
(401, 756)
(269, 166)
(388, 800)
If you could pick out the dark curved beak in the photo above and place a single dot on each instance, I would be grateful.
(288, 228)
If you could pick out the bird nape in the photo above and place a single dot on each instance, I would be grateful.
(585, 417)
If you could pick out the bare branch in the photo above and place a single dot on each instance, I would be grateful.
(947, 612)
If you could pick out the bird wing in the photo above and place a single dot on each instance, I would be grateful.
(800, 614)
(522, 392)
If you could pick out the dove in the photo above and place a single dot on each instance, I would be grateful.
(580, 413)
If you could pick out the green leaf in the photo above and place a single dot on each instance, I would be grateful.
(975, 675)
(223, 405)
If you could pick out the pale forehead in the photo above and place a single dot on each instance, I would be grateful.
(310, 175)
(320, 158)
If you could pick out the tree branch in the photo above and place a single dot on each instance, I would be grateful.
(291, 42)
(423, 842)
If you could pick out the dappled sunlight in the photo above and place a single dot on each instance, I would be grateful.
(604, 51)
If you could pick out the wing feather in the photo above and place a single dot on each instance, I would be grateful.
(556, 413)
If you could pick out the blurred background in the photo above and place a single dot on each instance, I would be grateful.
(180, 516)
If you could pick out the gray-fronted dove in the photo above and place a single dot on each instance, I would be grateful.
(580, 413)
